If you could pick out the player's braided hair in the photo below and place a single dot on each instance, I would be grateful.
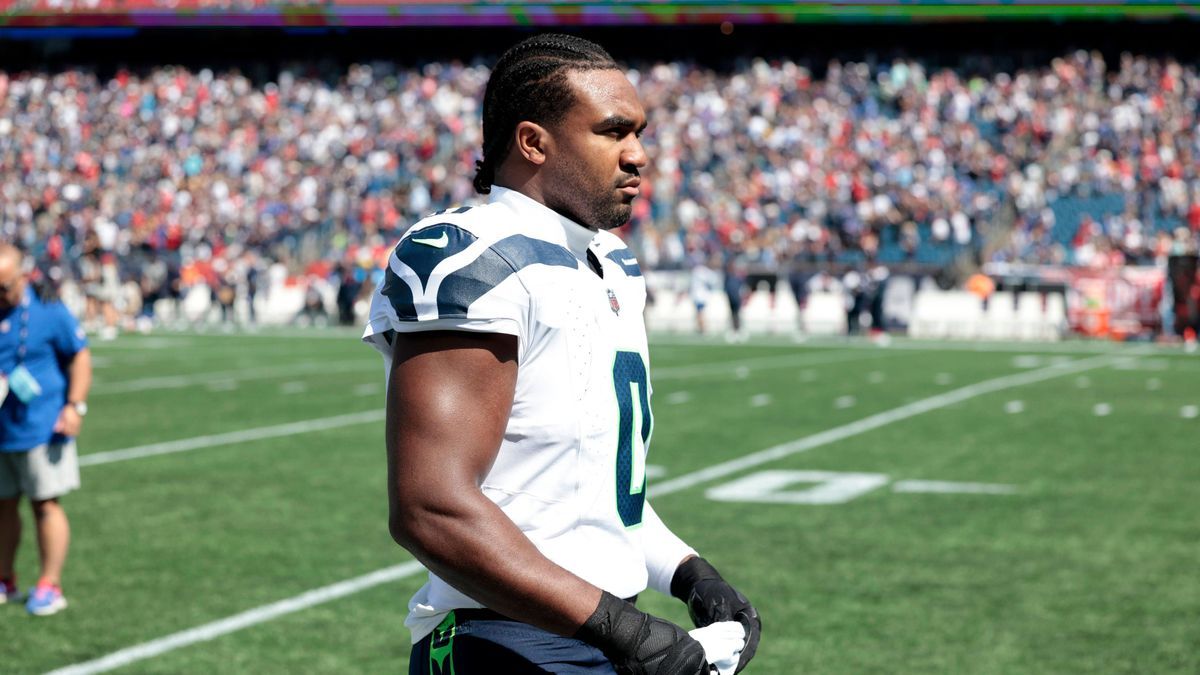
(529, 82)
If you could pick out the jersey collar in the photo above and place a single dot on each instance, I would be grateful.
(548, 222)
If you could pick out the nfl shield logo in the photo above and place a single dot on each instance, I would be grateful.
(612, 302)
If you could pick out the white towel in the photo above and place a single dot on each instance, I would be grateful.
(723, 643)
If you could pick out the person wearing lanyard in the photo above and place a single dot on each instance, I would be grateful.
(47, 372)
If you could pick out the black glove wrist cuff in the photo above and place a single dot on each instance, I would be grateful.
(608, 628)
(640, 644)
(689, 573)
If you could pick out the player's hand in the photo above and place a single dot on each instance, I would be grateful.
(710, 598)
(640, 644)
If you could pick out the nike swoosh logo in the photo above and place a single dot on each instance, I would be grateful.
(440, 242)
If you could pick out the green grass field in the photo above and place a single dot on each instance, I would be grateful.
(1079, 555)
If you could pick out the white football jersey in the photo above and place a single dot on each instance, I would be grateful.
(571, 468)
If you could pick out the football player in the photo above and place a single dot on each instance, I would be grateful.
(518, 404)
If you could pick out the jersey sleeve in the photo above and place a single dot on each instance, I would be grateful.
(443, 278)
(663, 550)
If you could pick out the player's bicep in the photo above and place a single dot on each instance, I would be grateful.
(448, 402)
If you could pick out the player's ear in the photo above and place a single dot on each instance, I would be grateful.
(531, 141)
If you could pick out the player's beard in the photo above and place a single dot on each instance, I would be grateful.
(602, 209)
(612, 214)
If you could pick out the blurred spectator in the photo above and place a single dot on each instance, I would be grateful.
(981, 286)
(735, 293)
(47, 373)
(1076, 162)
(349, 289)
(877, 280)
(855, 287)
(703, 281)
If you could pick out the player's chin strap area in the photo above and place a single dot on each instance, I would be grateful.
(640, 644)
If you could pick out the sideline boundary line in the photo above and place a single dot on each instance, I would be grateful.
(102, 388)
(336, 421)
(245, 619)
(1067, 347)
(673, 338)
(813, 358)
(267, 372)
(341, 589)
(242, 436)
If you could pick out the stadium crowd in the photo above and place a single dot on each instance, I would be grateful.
(156, 181)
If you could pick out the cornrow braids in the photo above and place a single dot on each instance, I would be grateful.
(529, 82)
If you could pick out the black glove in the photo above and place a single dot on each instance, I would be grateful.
(640, 644)
(710, 599)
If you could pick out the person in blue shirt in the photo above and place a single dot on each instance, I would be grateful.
(47, 372)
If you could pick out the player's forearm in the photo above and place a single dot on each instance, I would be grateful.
(80, 374)
(474, 546)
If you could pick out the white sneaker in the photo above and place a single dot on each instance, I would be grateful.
(45, 600)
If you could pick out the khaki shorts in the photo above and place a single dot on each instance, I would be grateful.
(45, 472)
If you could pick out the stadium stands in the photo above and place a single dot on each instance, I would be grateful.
(892, 162)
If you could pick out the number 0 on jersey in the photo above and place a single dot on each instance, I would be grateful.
(633, 405)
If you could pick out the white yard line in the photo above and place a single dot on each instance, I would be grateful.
(668, 339)
(348, 334)
(761, 363)
(306, 426)
(171, 339)
(948, 488)
(260, 614)
(874, 422)
(281, 333)
(140, 344)
(256, 434)
(101, 387)
(246, 619)
(908, 344)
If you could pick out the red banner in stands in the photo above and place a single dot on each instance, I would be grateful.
(1114, 303)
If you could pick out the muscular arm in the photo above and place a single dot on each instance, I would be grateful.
(449, 397)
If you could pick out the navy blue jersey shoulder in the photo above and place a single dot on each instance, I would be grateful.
(422, 251)
(462, 287)
(425, 249)
(501, 260)
(461, 209)
(625, 260)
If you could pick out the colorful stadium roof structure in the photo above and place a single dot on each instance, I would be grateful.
(339, 13)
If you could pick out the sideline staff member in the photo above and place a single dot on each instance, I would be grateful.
(48, 371)
(518, 410)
